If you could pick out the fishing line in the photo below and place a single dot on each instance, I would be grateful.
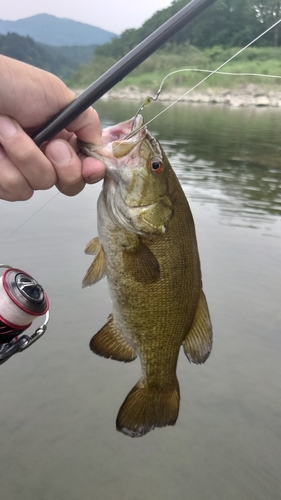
(31, 216)
(217, 73)
(149, 99)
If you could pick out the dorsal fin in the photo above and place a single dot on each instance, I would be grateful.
(97, 269)
(93, 247)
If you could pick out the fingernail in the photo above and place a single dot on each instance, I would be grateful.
(7, 127)
(60, 152)
(92, 179)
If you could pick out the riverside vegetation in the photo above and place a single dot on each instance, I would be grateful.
(225, 89)
(205, 43)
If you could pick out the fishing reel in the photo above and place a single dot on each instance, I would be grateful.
(22, 300)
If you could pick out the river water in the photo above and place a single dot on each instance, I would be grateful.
(59, 401)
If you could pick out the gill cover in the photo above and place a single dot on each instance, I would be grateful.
(136, 193)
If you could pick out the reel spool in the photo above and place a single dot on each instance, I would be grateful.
(22, 300)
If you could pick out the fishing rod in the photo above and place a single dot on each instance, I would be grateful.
(119, 70)
(22, 299)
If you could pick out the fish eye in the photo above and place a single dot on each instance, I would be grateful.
(156, 165)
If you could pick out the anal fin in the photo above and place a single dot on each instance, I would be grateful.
(110, 343)
(198, 343)
(97, 269)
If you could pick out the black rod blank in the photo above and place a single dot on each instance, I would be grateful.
(121, 69)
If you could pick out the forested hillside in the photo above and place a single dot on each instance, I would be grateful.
(61, 61)
(54, 44)
(207, 42)
(227, 23)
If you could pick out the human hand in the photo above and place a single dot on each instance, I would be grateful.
(28, 98)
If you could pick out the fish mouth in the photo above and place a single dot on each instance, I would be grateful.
(117, 141)
(132, 129)
(122, 142)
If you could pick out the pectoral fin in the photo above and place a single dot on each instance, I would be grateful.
(198, 343)
(141, 264)
(97, 269)
(154, 218)
(158, 215)
(110, 343)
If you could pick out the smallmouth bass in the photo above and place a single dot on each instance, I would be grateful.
(147, 249)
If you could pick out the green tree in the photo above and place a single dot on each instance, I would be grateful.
(229, 23)
(268, 12)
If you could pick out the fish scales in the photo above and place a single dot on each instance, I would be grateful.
(148, 249)
(147, 309)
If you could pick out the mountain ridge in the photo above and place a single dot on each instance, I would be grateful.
(55, 31)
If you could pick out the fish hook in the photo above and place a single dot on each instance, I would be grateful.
(147, 101)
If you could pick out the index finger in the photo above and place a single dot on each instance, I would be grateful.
(87, 127)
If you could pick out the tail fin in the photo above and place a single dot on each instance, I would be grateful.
(146, 408)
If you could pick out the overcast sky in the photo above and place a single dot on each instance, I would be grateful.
(111, 15)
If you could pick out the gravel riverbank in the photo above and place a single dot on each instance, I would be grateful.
(249, 95)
